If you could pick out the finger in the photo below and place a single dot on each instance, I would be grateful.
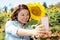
(41, 35)
(43, 32)
(39, 26)
(37, 36)
(41, 29)
(45, 36)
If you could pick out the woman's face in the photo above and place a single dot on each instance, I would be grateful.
(23, 16)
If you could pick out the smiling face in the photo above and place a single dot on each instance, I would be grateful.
(23, 16)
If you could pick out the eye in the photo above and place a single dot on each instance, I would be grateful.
(27, 14)
(22, 15)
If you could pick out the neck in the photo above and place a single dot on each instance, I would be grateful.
(22, 24)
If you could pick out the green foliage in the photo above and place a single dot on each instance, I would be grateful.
(54, 17)
(56, 28)
(3, 18)
(32, 22)
(2, 36)
(53, 30)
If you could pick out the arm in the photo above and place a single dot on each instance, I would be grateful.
(13, 30)
(25, 32)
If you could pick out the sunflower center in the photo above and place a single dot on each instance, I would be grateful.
(36, 11)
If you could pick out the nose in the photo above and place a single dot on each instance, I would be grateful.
(25, 17)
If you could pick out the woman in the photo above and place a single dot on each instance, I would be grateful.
(15, 29)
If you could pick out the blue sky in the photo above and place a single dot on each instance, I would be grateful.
(13, 3)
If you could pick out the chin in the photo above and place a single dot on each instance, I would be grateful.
(24, 22)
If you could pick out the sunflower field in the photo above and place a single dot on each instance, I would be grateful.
(37, 11)
(3, 18)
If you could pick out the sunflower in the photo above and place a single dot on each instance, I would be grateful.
(36, 10)
(1, 15)
(54, 8)
(8, 14)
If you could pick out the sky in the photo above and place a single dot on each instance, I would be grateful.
(13, 3)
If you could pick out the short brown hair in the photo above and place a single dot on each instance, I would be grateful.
(17, 10)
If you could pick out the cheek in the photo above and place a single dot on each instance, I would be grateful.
(23, 18)
(28, 17)
(19, 18)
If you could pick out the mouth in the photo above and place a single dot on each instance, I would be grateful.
(24, 20)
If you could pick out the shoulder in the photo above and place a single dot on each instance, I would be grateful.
(10, 22)
(15, 23)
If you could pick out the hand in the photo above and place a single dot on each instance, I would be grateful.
(47, 34)
(39, 31)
